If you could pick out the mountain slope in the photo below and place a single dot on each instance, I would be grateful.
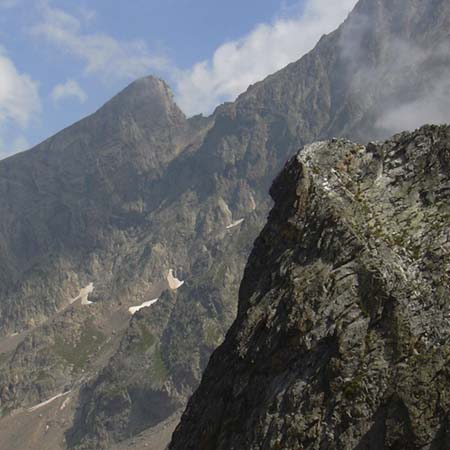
(342, 335)
(135, 190)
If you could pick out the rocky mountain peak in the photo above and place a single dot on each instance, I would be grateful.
(148, 102)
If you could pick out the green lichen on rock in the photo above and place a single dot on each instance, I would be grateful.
(342, 336)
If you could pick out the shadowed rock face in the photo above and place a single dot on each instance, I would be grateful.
(137, 189)
(342, 335)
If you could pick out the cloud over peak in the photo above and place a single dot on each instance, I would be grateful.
(19, 97)
(20, 105)
(232, 68)
(102, 54)
(69, 89)
(267, 48)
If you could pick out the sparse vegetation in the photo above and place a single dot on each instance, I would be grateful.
(158, 370)
(145, 341)
(77, 353)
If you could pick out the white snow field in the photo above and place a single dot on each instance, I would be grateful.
(84, 295)
(174, 283)
(235, 224)
(40, 405)
(134, 309)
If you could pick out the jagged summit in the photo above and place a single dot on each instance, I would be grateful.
(149, 101)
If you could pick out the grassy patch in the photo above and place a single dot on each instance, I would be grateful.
(146, 340)
(77, 353)
(159, 370)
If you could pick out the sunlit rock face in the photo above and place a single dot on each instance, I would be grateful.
(342, 337)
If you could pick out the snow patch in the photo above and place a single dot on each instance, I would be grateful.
(252, 203)
(84, 295)
(134, 309)
(40, 405)
(174, 283)
(65, 403)
(235, 224)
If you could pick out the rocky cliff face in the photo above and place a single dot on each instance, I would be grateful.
(137, 189)
(342, 335)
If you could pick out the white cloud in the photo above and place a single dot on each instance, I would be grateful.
(67, 90)
(102, 55)
(19, 97)
(429, 103)
(406, 85)
(19, 106)
(269, 47)
(233, 67)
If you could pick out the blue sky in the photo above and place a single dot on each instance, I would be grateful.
(60, 60)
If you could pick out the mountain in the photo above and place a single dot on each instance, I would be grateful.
(60, 200)
(103, 211)
(342, 336)
(74, 211)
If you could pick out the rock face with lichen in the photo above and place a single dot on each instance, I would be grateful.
(137, 189)
(342, 335)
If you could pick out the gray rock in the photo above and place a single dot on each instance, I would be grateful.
(342, 336)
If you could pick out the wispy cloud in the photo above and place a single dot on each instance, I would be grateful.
(102, 54)
(425, 98)
(269, 47)
(232, 68)
(432, 108)
(20, 105)
(69, 89)
(405, 86)
(19, 97)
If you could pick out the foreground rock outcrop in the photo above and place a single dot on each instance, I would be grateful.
(342, 335)
(122, 197)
